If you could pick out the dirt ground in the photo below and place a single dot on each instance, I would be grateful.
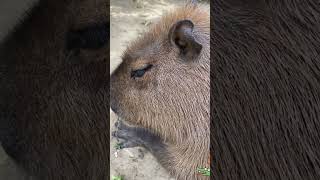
(128, 20)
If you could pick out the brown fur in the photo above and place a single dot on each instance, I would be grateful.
(172, 99)
(266, 89)
(53, 106)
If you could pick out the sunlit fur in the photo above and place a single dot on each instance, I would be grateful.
(172, 98)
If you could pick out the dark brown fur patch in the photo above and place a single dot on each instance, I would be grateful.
(266, 89)
(54, 113)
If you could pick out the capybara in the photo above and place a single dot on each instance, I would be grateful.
(266, 89)
(54, 88)
(162, 90)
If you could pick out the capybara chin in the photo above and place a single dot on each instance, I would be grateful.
(54, 91)
(162, 89)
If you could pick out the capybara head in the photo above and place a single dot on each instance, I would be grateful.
(163, 82)
(54, 90)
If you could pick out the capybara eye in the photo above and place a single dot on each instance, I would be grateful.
(140, 72)
(91, 37)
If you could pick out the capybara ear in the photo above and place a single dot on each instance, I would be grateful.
(181, 35)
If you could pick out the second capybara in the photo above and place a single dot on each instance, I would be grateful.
(162, 91)
(54, 90)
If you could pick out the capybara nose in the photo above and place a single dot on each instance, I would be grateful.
(113, 107)
(113, 93)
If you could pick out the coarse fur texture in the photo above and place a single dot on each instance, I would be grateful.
(266, 89)
(169, 105)
(54, 101)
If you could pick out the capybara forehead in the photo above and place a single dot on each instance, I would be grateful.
(143, 51)
(157, 36)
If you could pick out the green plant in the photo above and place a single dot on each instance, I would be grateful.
(117, 178)
(204, 171)
(118, 146)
